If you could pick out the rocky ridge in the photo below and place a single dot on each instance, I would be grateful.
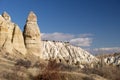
(66, 53)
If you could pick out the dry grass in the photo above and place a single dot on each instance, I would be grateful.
(51, 72)
(54, 71)
(109, 72)
(59, 71)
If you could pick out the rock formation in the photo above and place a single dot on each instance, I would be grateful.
(11, 38)
(112, 59)
(32, 36)
(18, 40)
(64, 52)
(6, 16)
(17, 62)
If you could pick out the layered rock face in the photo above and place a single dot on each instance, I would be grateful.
(66, 53)
(32, 35)
(11, 38)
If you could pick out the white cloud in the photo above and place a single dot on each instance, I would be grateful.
(85, 35)
(77, 40)
(57, 36)
(108, 49)
(105, 50)
(81, 41)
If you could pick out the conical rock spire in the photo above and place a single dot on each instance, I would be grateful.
(32, 17)
(32, 36)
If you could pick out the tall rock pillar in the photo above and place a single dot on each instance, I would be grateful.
(32, 36)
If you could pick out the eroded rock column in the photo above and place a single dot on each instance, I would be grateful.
(32, 36)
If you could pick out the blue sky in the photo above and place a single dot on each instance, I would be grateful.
(90, 24)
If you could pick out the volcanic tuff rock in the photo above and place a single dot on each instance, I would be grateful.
(112, 59)
(32, 35)
(64, 52)
(6, 16)
(11, 38)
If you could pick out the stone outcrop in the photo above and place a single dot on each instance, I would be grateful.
(66, 53)
(111, 59)
(11, 38)
(18, 40)
(32, 36)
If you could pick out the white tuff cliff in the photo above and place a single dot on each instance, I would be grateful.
(64, 52)
(112, 59)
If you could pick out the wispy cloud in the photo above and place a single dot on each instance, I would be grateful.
(57, 36)
(83, 40)
(105, 50)
(108, 49)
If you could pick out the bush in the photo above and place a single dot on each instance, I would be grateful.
(51, 72)
(88, 78)
(24, 63)
(109, 72)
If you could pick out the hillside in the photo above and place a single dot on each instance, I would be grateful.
(66, 53)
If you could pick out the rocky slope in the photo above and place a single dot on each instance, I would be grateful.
(111, 59)
(66, 53)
